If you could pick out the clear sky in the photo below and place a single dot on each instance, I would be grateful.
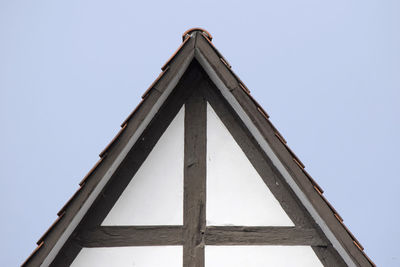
(328, 74)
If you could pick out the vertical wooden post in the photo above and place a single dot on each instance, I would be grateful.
(195, 181)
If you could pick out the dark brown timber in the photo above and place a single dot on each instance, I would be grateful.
(117, 236)
(282, 236)
(195, 181)
(327, 255)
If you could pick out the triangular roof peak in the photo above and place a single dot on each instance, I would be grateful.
(198, 57)
(192, 30)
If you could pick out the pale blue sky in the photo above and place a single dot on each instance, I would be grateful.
(328, 73)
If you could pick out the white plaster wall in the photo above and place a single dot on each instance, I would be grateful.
(257, 256)
(158, 256)
(236, 194)
(155, 194)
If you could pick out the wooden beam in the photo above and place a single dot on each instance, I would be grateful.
(117, 236)
(282, 236)
(195, 181)
(328, 256)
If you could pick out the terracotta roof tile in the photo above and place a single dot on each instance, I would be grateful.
(33, 253)
(41, 239)
(175, 53)
(155, 82)
(205, 33)
(132, 113)
(102, 153)
(91, 171)
(244, 87)
(313, 181)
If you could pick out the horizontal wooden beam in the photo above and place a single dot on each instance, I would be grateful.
(283, 236)
(116, 236)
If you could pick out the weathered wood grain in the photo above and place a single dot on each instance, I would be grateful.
(328, 256)
(194, 181)
(117, 236)
(282, 236)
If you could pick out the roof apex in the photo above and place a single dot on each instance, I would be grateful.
(191, 30)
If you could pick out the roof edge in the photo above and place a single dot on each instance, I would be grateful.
(237, 96)
(92, 184)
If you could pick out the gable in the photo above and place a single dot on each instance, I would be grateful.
(286, 188)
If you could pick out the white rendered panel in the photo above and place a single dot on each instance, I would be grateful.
(154, 256)
(257, 256)
(236, 194)
(155, 194)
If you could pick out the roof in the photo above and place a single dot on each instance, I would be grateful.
(197, 43)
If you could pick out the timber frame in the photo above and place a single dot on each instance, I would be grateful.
(195, 75)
